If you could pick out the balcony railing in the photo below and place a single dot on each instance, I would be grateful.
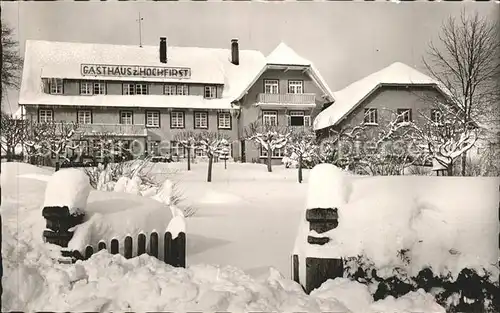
(112, 129)
(286, 98)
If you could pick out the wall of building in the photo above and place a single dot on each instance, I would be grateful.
(388, 99)
(251, 113)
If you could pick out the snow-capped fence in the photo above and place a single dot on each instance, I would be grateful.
(174, 248)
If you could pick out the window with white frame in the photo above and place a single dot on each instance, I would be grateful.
(200, 120)
(295, 86)
(210, 92)
(126, 117)
(86, 88)
(404, 115)
(99, 88)
(200, 153)
(271, 86)
(436, 116)
(371, 116)
(270, 118)
(298, 118)
(224, 120)
(277, 153)
(152, 119)
(45, 115)
(56, 86)
(170, 90)
(84, 117)
(128, 89)
(176, 119)
(176, 149)
(141, 89)
(182, 90)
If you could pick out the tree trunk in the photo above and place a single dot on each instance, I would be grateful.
(9, 154)
(225, 164)
(464, 163)
(449, 169)
(210, 161)
(269, 159)
(300, 169)
(189, 158)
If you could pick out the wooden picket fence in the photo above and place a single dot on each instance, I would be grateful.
(174, 249)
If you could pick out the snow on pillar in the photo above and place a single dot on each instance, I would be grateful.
(329, 189)
(64, 204)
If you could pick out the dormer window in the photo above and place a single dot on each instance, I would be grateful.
(56, 86)
(210, 92)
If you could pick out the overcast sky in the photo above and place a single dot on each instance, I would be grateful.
(345, 40)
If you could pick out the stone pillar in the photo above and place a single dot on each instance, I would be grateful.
(58, 224)
(319, 270)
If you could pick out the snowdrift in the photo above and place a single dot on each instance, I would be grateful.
(445, 223)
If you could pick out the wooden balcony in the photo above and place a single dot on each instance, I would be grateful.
(113, 130)
(287, 98)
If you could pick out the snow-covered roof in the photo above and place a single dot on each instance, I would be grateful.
(144, 101)
(283, 55)
(64, 59)
(350, 97)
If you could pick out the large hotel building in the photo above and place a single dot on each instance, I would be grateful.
(152, 93)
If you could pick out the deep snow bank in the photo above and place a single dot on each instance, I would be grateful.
(446, 223)
(68, 187)
(108, 282)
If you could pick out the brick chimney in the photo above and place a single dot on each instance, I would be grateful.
(235, 52)
(163, 49)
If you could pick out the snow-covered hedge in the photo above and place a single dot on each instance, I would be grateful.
(407, 225)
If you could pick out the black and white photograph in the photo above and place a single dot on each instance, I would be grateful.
(250, 156)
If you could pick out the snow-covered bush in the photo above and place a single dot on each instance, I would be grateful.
(139, 177)
(469, 292)
(68, 187)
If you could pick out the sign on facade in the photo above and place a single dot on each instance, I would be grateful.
(135, 71)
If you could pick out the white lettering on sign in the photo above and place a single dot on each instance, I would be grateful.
(135, 71)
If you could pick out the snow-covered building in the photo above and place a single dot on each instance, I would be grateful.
(151, 93)
(374, 99)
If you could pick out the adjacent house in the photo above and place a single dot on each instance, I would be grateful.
(397, 90)
(149, 94)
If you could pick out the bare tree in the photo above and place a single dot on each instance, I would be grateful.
(56, 138)
(302, 143)
(442, 136)
(13, 132)
(11, 62)
(466, 62)
(211, 143)
(268, 137)
(187, 140)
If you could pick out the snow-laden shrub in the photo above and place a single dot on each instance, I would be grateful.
(140, 177)
(469, 292)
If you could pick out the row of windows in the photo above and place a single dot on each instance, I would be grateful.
(152, 118)
(273, 86)
(94, 148)
(294, 118)
(88, 88)
(403, 115)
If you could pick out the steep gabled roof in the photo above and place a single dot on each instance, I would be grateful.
(347, 99)
(283, 55)
(63, 59)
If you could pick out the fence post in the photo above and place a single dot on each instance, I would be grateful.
(115, 246)
(127, 250)
(180, 244)
(141, 244)
(153, 244)
(167, 248)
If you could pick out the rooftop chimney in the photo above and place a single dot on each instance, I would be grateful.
(235, 53)
(163, 49)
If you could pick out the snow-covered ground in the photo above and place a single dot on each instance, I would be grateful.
(245, 227)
